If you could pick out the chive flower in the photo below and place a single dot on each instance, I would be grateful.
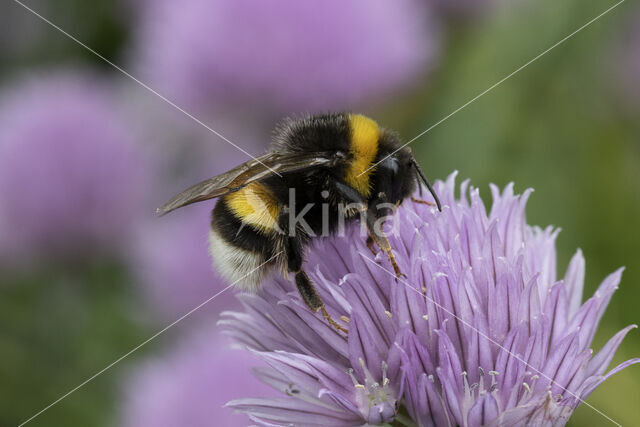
(479, 332)
(72, 176)
(173, 388)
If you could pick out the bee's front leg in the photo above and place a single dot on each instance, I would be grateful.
(370, 244)
(424, 202)
(369, 216)
(383, 243)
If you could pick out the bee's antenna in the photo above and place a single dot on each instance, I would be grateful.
(427, 183)
(419, 183)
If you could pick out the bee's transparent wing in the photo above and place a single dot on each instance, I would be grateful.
(253, 170)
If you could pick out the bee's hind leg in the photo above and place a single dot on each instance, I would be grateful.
(294, 250)
(313, 300)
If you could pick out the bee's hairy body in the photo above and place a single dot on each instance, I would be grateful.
(245, 229)
(316, 166)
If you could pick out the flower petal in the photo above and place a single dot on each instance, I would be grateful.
(287, 411)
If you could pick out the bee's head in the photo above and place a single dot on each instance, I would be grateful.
(401, 168)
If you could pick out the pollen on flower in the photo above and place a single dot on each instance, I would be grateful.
(372, 398)
(477, 389)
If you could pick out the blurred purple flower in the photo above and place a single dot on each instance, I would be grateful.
(71, 176)
(190, 386)
(175, 270)
(481, 331)
(284, 56)
(170, 255)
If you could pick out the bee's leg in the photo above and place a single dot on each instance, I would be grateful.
(370, 217)
(424, 202)
(308, 291)
(313, 300)
(294, 254)
(370, 244)
(383, 243)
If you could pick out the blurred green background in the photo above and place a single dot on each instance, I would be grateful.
(565, 126)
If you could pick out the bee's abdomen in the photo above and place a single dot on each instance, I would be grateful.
(240, 267)
(255, 205)
(238, 249)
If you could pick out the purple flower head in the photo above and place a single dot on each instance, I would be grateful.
(480, 332)
(190, 385)
(71, 176)
(284, 56)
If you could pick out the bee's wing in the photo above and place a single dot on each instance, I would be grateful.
(253, 170)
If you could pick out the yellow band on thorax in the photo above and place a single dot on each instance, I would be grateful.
(365, 134)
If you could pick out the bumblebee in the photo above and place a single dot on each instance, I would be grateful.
(326, 162)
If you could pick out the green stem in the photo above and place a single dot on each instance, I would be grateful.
(404, 420)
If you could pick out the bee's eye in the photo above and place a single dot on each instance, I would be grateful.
(390, 163)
